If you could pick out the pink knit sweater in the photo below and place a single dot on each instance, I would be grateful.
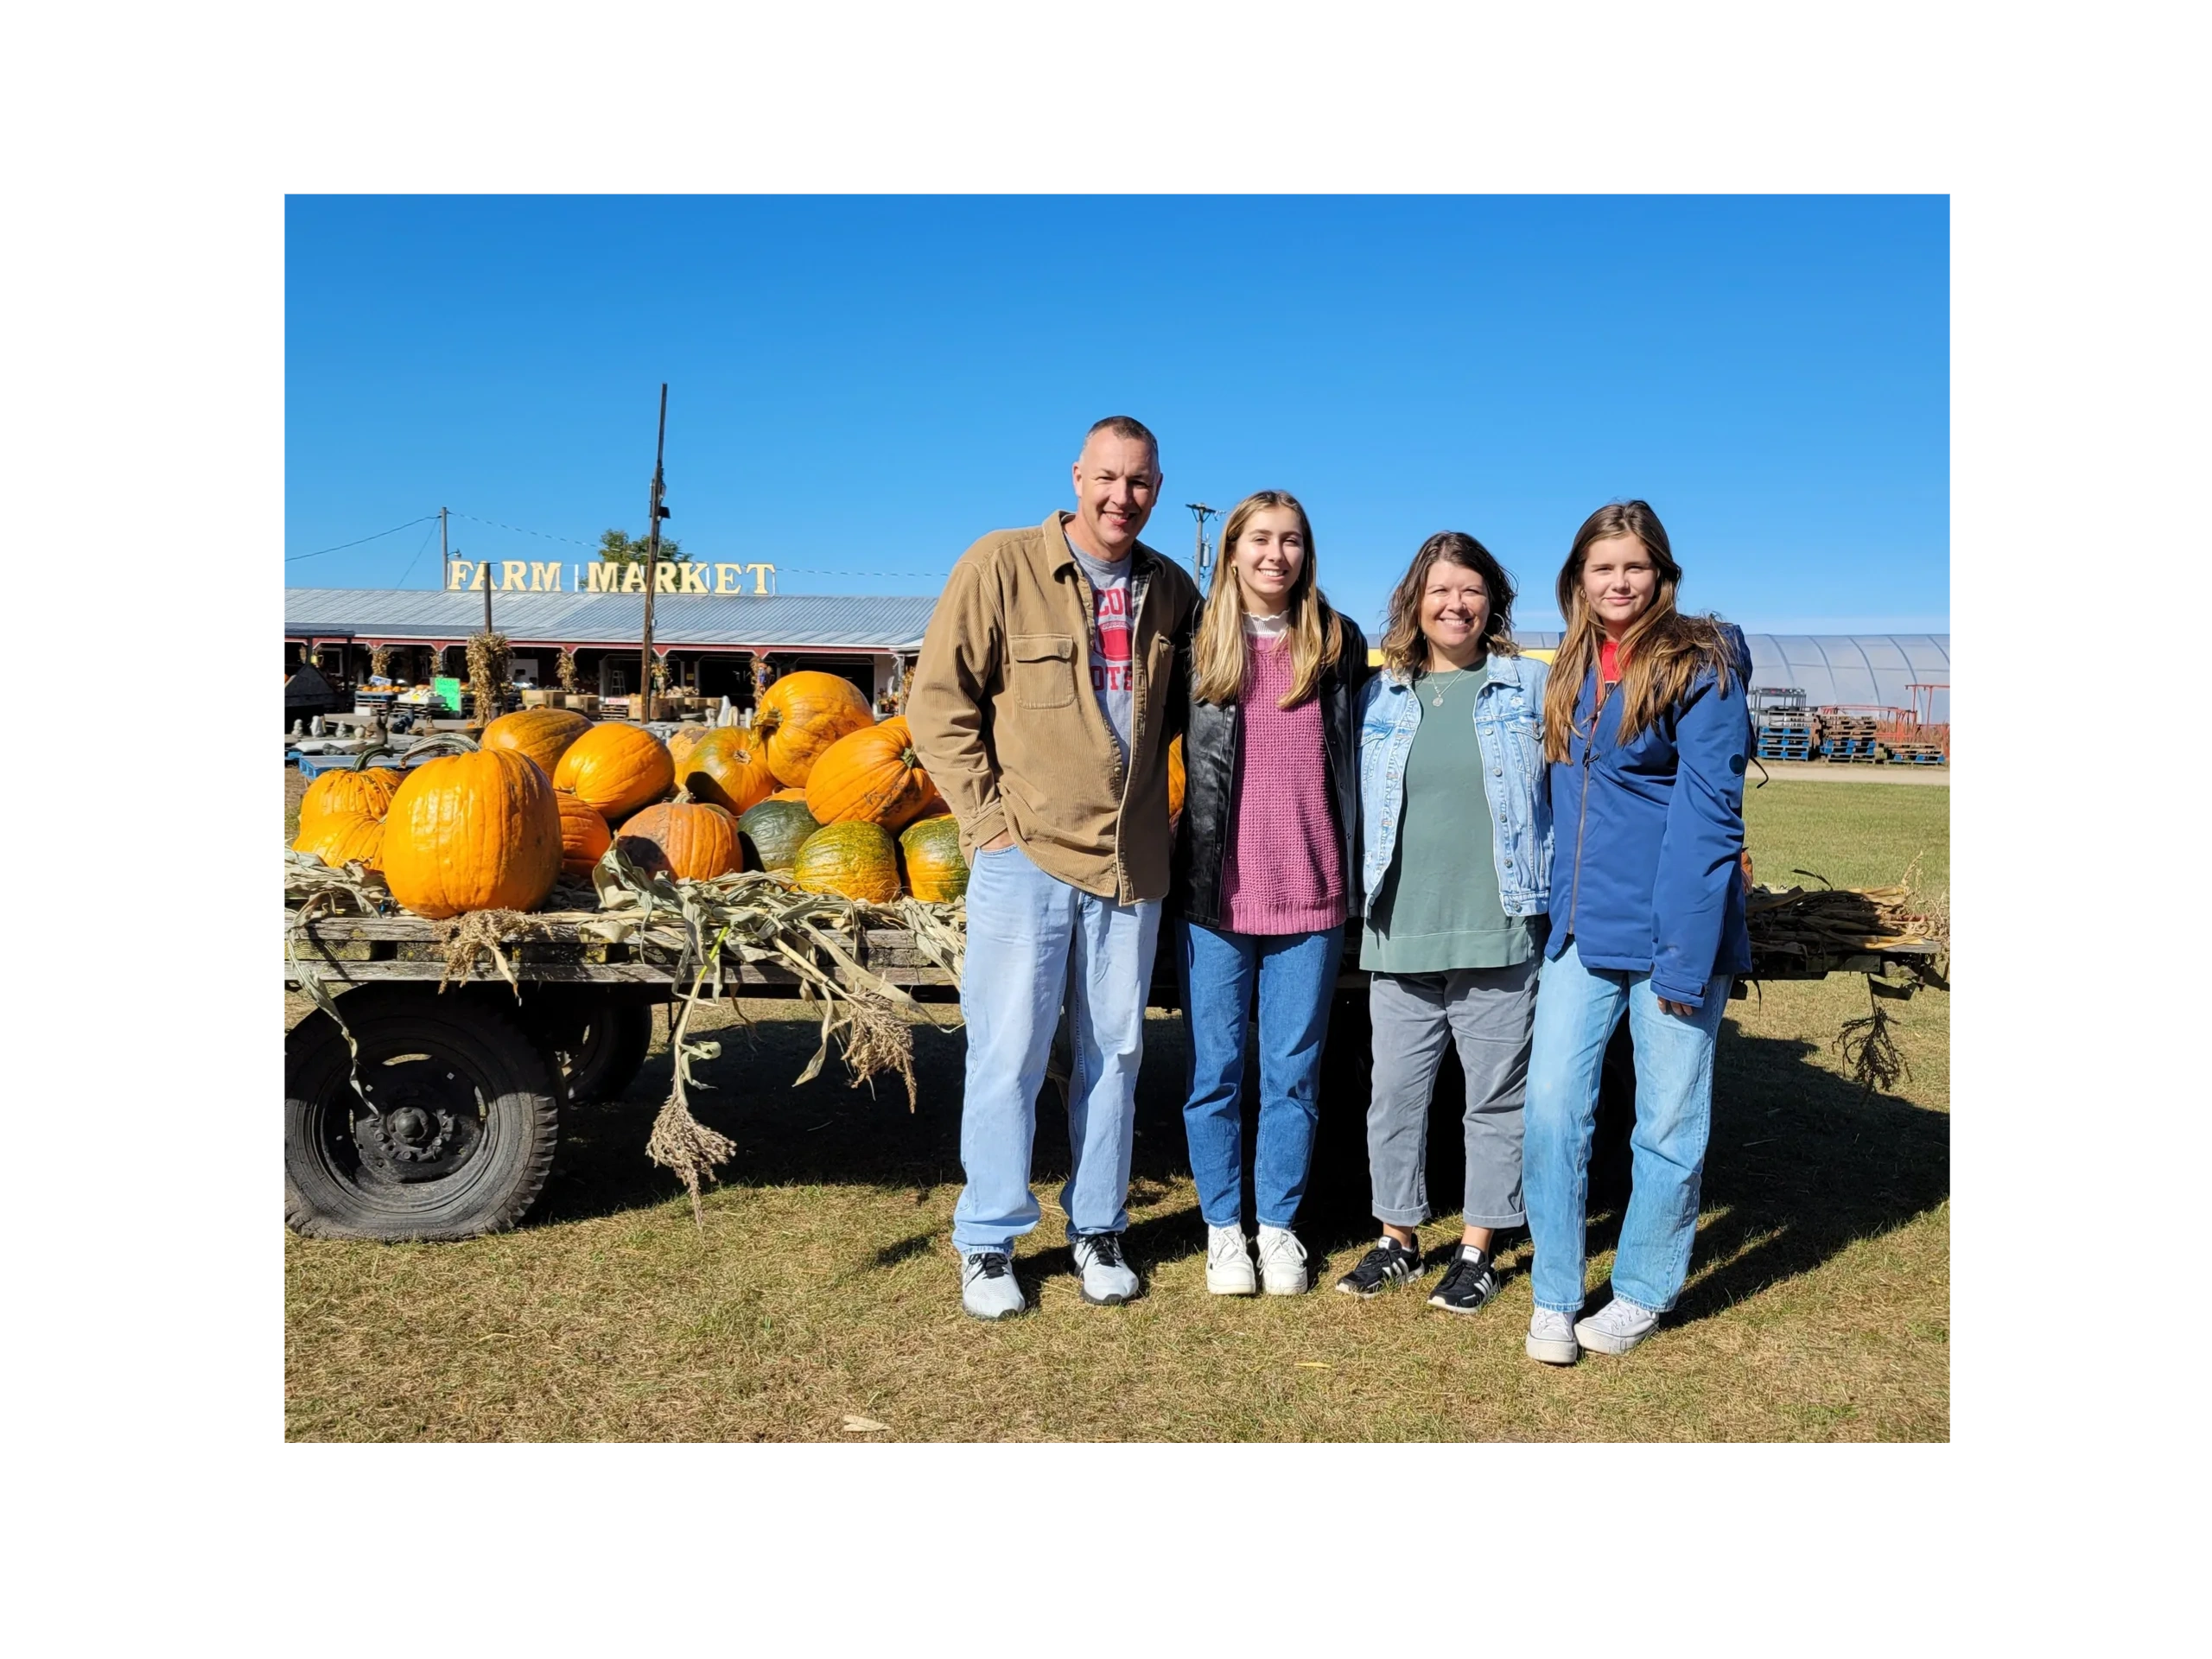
(1283, 873)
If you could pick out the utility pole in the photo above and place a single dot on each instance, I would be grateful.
(1201, 557)
(445, 559)
(655, 512)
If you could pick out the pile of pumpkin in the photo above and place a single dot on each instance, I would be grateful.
(818, 789)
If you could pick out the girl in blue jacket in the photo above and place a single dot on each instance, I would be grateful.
(1646, 734)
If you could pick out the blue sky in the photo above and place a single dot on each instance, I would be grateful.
(859, 387)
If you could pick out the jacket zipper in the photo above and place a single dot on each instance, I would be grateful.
(1582, 804)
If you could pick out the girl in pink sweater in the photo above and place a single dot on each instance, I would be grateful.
(1264, 866)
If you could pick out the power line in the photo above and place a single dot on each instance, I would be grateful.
(410, 570)
(296, 557)
(545, 535)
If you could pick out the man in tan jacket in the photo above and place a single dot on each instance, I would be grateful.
(1052, 678)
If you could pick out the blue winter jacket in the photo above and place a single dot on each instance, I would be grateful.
(1646, 837)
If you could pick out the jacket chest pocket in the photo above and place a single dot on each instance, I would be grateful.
(1043, 674)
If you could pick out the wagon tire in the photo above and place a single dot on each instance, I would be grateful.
(599, 1042)
(464, 1137)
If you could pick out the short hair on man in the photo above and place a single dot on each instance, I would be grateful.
(1125, 426)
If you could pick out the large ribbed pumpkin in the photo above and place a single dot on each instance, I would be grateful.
(773, 832)
(873, 775)
(857, 859)
(802, 714)
(729, 767)
(368, 790)
(936, 872)
(1175, 781)
(338, 838)
(476, 831)
(689, 839)
(584, 835)
(543, 734)
(616, 768)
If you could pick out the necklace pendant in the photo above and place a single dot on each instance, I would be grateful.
(1437, 701)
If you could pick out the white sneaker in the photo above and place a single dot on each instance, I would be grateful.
(1107, 1280)
(1616, 1327)
(1551, 1338)
(986, 1287)
(1283, 1262)
(1229, 1262)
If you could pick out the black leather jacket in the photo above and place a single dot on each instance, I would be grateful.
(1211, 740)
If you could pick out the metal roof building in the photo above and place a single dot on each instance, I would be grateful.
(1911, 672)
(783, 622)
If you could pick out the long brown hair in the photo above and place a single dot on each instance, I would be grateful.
(1218, 653)
(1662, 653)
(1405, 647)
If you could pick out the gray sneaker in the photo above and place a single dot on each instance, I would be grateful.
(1551, 1338)
(1616, 1327)
(1107, 1280)
(987, 1289)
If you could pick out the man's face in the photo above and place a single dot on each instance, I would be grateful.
(1116, 482)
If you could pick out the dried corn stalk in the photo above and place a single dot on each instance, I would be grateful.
(488, 658)
(564, 666)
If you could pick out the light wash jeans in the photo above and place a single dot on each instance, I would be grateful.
(1294, 976)
(1577, 1008)
(1033, 940)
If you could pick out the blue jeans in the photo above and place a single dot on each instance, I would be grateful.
(1032, 941)
(1294, 976)
(1577, 1008)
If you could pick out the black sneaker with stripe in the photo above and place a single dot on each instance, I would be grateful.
(1388, 1264)
(1471, 1281)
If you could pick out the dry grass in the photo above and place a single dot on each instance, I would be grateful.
(823, 1285)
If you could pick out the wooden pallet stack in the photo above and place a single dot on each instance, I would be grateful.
(1785, 734)
(1848, 739)
(1918, 754)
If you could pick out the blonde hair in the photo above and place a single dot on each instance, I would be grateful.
(1661, 655)
(1218, 653)
(1405, 647)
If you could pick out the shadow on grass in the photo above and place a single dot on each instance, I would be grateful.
(1801, 1163)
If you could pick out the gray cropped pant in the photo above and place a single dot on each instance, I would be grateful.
(1490, 1013)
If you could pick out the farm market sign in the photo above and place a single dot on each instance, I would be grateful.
(530, 576)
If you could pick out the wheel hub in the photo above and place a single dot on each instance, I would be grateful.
(421, 1125)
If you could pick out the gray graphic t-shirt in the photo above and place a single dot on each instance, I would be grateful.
(1111, 677)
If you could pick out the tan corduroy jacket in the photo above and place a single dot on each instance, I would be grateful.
(1005, 719)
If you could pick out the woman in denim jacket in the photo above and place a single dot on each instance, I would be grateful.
(1456, 837)
(1647, 733)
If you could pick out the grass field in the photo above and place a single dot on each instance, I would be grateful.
(824, 1288)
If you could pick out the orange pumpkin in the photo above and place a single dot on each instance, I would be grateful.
(478, 831)
(873, 775)
(802, 714)
(689, 839)
(368, 790)
(857, 859)
(799, 795)
(584, 835)
(936, 872)
(338, 838)
(617, 768)
(1175, 781)
(543, 734)
(729, 768)
(682, 740)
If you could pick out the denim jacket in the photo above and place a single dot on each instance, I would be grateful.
(1510, 732)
